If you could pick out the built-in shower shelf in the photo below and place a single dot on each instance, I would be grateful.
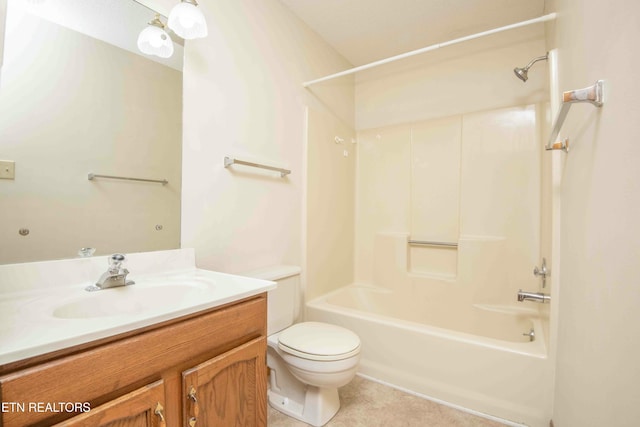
(592, 94)
(432, 259)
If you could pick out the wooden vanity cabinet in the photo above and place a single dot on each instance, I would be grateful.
(207, 369)
(229, 390)
(143, 407)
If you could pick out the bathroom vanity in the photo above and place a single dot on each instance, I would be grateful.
(188, 365)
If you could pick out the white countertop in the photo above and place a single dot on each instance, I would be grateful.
(38, 321)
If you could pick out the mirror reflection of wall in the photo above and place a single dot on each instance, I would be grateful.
(3, 14)
(72, 104)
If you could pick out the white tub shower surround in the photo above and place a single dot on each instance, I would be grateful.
(444, 321)
(434, 337)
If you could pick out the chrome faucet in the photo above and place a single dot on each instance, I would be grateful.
(115, 276)
(533, 296)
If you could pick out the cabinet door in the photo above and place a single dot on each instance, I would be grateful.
(229, 390)
(143, 407)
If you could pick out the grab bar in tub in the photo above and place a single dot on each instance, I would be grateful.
(432, 243)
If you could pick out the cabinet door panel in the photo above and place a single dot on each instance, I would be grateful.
(228, 390)
(143, 407)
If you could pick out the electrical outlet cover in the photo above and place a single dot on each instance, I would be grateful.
(7, 169)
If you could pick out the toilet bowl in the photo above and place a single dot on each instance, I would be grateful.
(307, 361)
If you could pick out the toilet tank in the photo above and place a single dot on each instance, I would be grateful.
(283, 302)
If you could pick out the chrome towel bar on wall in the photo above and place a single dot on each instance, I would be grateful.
(228, 161)
(92, 176)
(592, 94)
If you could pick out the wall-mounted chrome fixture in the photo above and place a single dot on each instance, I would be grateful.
(154, 40)
(593, 94)
(187, 21)
(533, 296)
(542, 272)
(522, 73)
(93, 176)
(531, 334)
(228, 161)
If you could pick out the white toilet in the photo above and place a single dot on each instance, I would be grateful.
(308, 361)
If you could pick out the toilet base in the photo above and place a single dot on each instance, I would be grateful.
(320, 405)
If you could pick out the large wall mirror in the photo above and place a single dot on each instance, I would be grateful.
(77, 97)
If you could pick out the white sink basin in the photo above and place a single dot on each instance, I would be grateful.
(131, 300)
(57, 317)
(44, 306)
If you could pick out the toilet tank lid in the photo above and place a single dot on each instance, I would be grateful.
(273, 272)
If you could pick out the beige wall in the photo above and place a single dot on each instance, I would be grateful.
(243, 97)
(3, 15)
(597, 375)
(468, 77)
(330, 204)
(67, 108)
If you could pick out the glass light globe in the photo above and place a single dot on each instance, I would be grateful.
(155, 41)
(187, 21)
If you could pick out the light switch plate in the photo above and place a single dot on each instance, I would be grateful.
(7, 169)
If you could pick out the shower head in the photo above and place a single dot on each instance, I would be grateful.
(521, 73)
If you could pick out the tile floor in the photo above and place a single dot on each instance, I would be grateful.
(369, 404)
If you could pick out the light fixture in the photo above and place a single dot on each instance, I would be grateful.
(187, 21)
(154, 40)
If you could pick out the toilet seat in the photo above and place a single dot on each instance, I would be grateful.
(319, 341)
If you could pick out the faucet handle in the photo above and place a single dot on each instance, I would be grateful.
(541, 271)
(115, 261)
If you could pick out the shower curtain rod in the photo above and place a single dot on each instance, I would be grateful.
(543, 18)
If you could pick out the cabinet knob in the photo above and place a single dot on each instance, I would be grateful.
(192, 396)
(158, 412)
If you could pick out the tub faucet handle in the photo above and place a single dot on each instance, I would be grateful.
(542, 272)
(531, 334)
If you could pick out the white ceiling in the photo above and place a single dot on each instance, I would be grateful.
(364, 31)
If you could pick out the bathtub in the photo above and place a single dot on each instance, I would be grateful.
(475, 357)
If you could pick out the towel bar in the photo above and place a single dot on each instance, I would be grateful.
(228, 161)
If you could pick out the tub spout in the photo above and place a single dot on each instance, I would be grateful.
(533, 296)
